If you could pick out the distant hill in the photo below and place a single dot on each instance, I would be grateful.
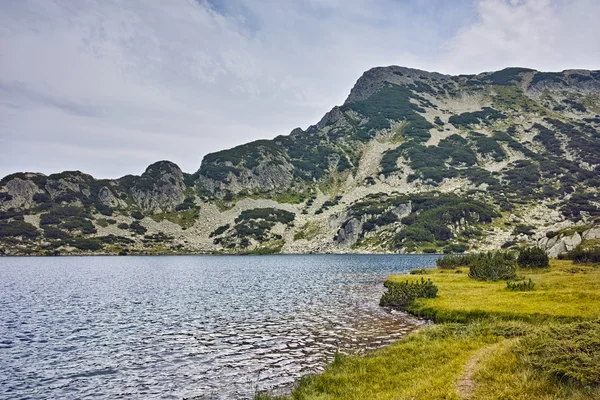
(413, 161)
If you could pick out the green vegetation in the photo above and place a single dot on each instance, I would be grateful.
(561, 294)
(268, 214)
(391, 103)
(553, 77)
(581, 255)
(451, 261)
(533, 257)
(18, 228)
(185, 219)
(507, 76)
(492, 266)
(517, 344)
(524, 230)
(220, 230)
(309, 231)
(520, 286)
(485, 116)
(430, 216)
(403, 294)
(254, 224)
(137, 228)
(427, 224)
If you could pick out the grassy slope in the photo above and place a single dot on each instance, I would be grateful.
(492, 353)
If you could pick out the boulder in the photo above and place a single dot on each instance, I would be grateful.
(349, 234)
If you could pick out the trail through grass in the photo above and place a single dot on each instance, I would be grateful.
(492, 343)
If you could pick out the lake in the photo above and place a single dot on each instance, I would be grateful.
(204, 327)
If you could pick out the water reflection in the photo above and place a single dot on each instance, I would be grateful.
(174, 327)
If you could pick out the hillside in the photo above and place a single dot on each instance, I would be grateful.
(412, 161)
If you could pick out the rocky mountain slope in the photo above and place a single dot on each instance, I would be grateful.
(412, 161)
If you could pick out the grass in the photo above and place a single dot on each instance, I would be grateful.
(309, 231)
(559, 293)
(492, 344)
(185, 219)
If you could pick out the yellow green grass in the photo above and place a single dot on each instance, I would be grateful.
(564, 291)
(492, 344)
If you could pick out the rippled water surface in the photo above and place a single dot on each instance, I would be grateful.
(210, 327)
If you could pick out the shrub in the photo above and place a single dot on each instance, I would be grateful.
(402, 294)
(103, 209)
(123, 225)
(580, 255)
(420, 271)
(220, 230)
(86, 244)
(523, 229)
(137, 214)
(186, 205)
(12, 213)
(522, 286)
(493, 266)
(18, 228)
(533, 257)
(486, 115)
(41, 198)
(450, 261)
(78, 223)
(137, 228)
(456, 248)
(49, 219)
(269, 214)
(52, 232)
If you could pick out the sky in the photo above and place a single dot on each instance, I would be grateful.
(108, 87)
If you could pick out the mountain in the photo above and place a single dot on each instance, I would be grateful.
(413, 161)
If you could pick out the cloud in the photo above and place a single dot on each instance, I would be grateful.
(109, 87)
(540, 34)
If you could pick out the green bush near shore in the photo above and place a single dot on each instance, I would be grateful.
(402, 294)
(493, 266)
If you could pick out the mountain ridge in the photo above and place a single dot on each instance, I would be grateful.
(496, 141)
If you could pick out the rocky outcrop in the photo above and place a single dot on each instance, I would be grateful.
(375, 78)
(270, 174)
(107, 197)
(561, 243)
(19, 191)
(349, 233)
(160, 188)
(70, 182)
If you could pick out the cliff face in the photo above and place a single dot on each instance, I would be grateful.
(160, 187)
(412, 161)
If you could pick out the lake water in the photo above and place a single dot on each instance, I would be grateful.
(206, 327)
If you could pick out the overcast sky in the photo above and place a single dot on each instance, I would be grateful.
(108, 87)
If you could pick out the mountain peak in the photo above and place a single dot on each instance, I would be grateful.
(373, 79)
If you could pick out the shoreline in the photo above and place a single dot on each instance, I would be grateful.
(214, 254)
(480, 344)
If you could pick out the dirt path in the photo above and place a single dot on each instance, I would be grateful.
(465, 385)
